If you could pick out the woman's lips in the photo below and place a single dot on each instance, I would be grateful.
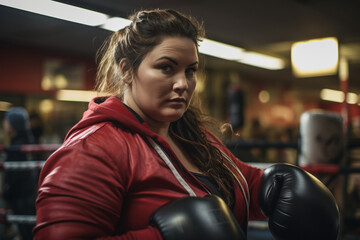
(178, 100)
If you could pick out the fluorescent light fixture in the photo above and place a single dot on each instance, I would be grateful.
(233, 53)
(115, 23)
(262, 61)
(352, 98)
(92, 18)
(75, 95)
(338, 96)
(318, 57)
(220, 50)
(332, 95)
(58, 10)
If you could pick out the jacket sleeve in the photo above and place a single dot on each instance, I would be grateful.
(80, 195)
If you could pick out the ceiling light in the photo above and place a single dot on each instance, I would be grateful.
(59, 10)
(338, 96)
(352, 98)
(262, 61)
(115, 23)
(233, 53)
(75, 95)
(332, 95)
(92, 18)
(318, 57)
(220, 50)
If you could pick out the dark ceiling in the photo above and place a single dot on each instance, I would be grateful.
(266, 26)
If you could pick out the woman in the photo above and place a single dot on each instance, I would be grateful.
(145, 145)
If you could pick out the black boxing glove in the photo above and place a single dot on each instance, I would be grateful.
(298, 205)
(194, 218)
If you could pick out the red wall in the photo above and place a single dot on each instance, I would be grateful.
(21, 69)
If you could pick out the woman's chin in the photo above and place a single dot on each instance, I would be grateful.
(173, 116)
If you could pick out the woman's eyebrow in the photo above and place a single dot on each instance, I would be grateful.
(168, 58)
(175, 62)
(195, 63)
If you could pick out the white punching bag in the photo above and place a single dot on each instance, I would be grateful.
(321, 138)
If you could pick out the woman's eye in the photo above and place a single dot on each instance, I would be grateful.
(191, 72)
(166, 68)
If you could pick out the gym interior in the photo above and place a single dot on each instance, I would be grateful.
(275, 106)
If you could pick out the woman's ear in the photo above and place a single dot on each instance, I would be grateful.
(124, 70)
(122, 65)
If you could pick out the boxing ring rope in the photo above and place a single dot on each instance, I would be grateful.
(229, 144)
(260, 144)
(277, 144)
(317, 169)
(30, 148)
(7, 217)
(28, 165)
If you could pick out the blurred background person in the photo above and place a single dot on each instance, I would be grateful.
(18, 185)
(36, 126)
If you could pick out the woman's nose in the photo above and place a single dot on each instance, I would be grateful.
(181, 83)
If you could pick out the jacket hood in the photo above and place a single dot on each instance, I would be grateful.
(111, 109)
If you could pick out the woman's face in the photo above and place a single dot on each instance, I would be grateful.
(165, 81)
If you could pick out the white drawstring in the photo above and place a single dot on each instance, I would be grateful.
(246, 196)
(182, 181)
(166, 159)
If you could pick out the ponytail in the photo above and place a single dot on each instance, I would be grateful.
(108, 78)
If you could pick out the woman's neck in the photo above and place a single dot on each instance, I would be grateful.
(161, 128)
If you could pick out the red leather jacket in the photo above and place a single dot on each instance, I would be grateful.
(107, 178)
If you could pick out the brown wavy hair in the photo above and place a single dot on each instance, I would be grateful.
(133, 43)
